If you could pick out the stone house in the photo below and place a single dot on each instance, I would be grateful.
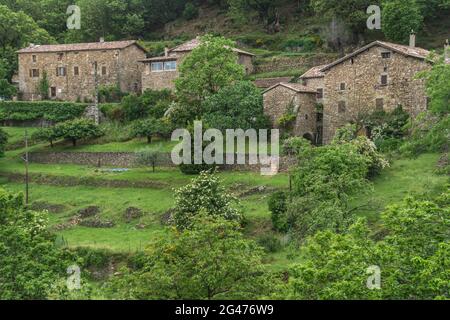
(160, 72)
(378, 76)
(284, 98)
(70, 69)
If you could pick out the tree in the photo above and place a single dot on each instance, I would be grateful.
(204, 194)
(147, 128)
(47, 135)
(212, 260)
(399, 18)
(208, 68)
(133, 108)
(190, 11)
(239, 105)
(413, 257)
(148, 157)
(30, 264)
(7, 90)
(78, 129)
(44, 86)
(3, 142)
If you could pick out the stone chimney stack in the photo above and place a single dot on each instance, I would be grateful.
(102, 39)
(412, 39)
(166, 52)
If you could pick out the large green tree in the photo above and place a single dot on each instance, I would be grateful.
(208, 68)
(399, 18)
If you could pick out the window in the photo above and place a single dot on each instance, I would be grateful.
(61, 71)
(157, 66)
(34, 73)
(53, 92)
(34, 58)
(341, 107)
(384, 80)
(306, 117)
(386, 55)
(379, 104)
(385, 69)
(342, 86)
(170, 65)
(103, 70)
(319, 93)
(76, 71)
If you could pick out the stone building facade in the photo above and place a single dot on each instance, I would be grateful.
(70, 69)
(378, 76)
(160, 72)
(297, 98)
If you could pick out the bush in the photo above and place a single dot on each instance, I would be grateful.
(190, 11)
(278, 207)
(148, 128)
(3, 141)
(47, 135)
(110, 94)
(148, 157)
(270, 243)
(46, 110)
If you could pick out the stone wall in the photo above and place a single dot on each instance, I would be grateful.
(127, 160)
(122, 68)
(279, 99)
(300, 63)
(362, 78)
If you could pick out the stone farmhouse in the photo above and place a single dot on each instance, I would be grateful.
(160, 72)
(378, 76)
(70, 69)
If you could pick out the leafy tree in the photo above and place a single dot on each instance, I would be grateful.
(48, 135)
(44, 86)
(399, 18)
(30, 264)
(278, 207)
(78, 129)
(133, 108)
(416, 239)
(148, 157)
(3, 141)
(212, 260)
(190, 11)
(236, 106)
(147, 128)
(208, 68)
(204, 194)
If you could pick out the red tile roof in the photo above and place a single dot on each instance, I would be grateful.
(297, 87)
(111, 45)
(194, 43)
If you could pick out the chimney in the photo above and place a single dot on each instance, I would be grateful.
(412, 39)
(102, 39)
(166, 52)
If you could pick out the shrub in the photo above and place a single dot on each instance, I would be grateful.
(147, 128)
(110, 94)
(270, 243)
(148, 157)
(7, 90)
(78, 129)
(133, 108)
(204, 194)
(3, 141)
(52, 111)
(278, 208)
(47, 135)
(190, 11)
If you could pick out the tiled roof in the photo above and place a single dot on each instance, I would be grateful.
(415, 52)
(315, 72)
(112, 45)
(163, 58)
(297, 87)
(269, 82)
(194, 43)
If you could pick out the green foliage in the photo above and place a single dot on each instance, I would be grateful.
(294, 146)
(3, 142)
(47, 135)
(52, 111)
(278, 207)
(237, 106)
(30, 264)
(148, 157)
(211, 261)
(208, 68)
(149, 128)
(7, 90)
(204, 194)
(78, 129)
(133, 108)
(270, 243)
(399, 18)
(413, 257)
(108, 94)
(190, 11)
(152, 103)
(44, 86)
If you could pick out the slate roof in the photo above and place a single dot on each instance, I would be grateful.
(297, 87)
(315, 72)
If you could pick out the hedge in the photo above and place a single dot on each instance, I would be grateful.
(46, 110)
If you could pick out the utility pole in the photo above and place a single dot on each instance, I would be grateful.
(26, 159)
(97, 120)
